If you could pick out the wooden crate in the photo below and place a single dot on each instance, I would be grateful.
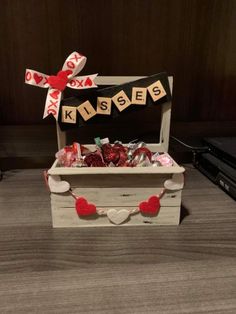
(116, 190)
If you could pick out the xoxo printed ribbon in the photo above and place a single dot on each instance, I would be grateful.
(57, 83)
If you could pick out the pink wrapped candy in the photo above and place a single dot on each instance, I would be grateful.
(69, 156)
(164, 160)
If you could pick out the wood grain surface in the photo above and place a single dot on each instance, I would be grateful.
(189, 268)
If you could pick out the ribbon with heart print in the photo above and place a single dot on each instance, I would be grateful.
(57, 83)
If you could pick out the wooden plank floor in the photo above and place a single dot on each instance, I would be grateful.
(185, 269)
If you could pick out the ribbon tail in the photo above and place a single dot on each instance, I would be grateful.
(82, 82)
(74, 64)
(36, 78)
(52, 104)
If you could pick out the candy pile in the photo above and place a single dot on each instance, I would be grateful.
(108, 155)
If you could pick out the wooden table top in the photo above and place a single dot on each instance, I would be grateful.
(164, 269)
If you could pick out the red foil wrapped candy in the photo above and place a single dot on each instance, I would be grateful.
(110, 154)
(142, 150)
(94, 160)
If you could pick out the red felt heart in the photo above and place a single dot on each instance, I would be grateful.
(88, 82)
(151, 207)
(68, 72)
(37, 78)
(55, 94)
(83, 208)
(59, 81)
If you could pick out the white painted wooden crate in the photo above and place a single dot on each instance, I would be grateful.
(122, 187)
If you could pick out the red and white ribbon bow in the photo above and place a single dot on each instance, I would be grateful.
(57, 83)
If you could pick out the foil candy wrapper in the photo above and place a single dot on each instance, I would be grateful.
(105, 140)
(154, 156)
(138, 159)
(134, 154)
(118, 142)
(165, 160)
(69, 155)
(94, 160)
(115, 154)
(145, 163)
(110, 153)
(156, 164)
(132, 147)
(143, 150)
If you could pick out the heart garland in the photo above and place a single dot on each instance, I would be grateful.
(57, 83)
(150, 207)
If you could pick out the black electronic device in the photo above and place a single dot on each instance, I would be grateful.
(219, 162)
(223, 148)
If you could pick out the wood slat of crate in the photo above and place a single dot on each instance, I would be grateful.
(118, 192)
(116, 197)
(67, 217)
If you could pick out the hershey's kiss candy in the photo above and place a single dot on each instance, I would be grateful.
(94, 160)
(141, 150)
(110, 154)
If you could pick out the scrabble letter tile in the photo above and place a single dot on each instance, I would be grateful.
(139, 95)
(104, 105)
(156, 90)
(86, 110)
(121, 100)
(68, 114)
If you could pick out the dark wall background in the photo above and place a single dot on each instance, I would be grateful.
(193, 40)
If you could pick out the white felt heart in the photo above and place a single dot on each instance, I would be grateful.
(175, 183)
(56, 185)
(117, 216)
